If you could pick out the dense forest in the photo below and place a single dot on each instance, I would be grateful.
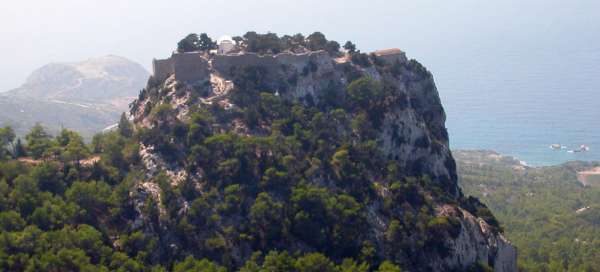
(296, 190)
(551, 218)
(57, 212)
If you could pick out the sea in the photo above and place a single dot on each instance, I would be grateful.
(518, 99)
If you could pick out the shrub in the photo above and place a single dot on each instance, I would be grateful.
(361, 59)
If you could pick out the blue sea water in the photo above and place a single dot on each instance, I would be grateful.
(513, 76)
(518, 99)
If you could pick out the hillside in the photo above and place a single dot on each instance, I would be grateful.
(85, 96)
(270, 154)
(300, 126)
(23, 113)
(551, 218)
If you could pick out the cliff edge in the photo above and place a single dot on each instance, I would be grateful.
(341, 153)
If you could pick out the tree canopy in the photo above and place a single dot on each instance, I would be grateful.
(195, 42)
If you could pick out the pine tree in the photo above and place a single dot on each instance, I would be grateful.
(19, 150)
(7, 137)
(125, 127)
(350, 47)
(38, 141)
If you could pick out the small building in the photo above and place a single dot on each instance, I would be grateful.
(225, 45)
(391, 55)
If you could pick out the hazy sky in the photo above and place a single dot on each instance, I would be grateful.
(435, 32)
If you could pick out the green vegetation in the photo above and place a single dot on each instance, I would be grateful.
(537, 208)
(56, 214)
(350, 47)
(270, 43)
(291, 182)
(7, 137)
(195, 42)
(256, 192)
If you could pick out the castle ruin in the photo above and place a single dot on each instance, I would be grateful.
(195, 67)
(190, 67)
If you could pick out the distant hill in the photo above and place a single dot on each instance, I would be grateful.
(86, 96)
(552, 219)
(22, 114)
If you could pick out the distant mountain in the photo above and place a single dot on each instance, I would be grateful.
(85, 96)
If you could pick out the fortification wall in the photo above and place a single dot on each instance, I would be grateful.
(162, 68)
(225, 64)
(299, 61)
(193, 67)
(190, 67)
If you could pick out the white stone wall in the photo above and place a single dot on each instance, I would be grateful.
(225, 47)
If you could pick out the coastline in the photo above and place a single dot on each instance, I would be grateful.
(490, 154)
(587, 172)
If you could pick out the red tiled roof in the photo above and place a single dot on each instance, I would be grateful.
(390, 51)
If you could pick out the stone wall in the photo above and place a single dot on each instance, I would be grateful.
(162, 68)
(320, 58)
(190, 67)
(225, 64)
(193, 66)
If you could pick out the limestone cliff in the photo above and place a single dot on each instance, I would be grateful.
(407, 124)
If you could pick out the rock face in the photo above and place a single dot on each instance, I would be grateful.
(411, 131)
(85, 96)
(475, 243)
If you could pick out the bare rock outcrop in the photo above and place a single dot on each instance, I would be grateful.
(476, 242)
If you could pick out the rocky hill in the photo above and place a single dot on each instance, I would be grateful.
(303, 148)
(270, 154)
(85, 96)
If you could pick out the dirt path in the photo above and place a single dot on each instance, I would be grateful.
(589, 177)
(29, 160)
(85, 162)
(90, 161)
